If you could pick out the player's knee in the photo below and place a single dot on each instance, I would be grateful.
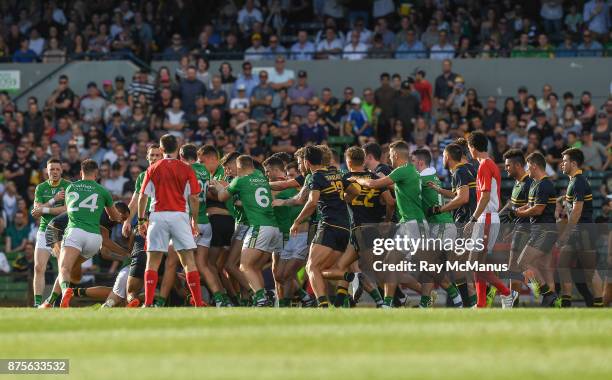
(39, 268)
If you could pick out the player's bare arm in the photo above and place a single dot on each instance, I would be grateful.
(440, 190)
(284, 184)
(307, 211)
(389, 203)
(373, 183)
(460, 198)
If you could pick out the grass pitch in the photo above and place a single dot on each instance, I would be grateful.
(312, 344)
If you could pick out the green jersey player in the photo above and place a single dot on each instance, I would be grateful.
(85, 202)
(48, 202)
(263, 236)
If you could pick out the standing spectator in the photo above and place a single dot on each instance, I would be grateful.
(445, 82)
(596, 16)
(303, 50)
(586, 110)
(120, 106)
(443, 49)
(552, 16)
(358, 121)
(257, 51)
(406, 109)
(383, 97)
(355, 50)
(54, 54)
(141, 86)
(63, 135)
(595, 153)
(216, 97)
(261, 97)
(17, 233)
(175, 118)
(96, 152)
(240, 103)
(92, 107)
(143, 32)
(37, 42)
(424, 88)
(24, 54)
(311, 132)
(411, 47)
(301, 97)
(189, 89)
(246, 79)
(248, 16)
(281, 77)
(573, 19)
(176, 50)
(331, 46)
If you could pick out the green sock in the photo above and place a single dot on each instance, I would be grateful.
(37, 299)
(303, 294)
(260, 294)
(323, 301)
(64, 285)
(341, 293)
(159, 301)
(453, 293)
(218, 297)
(473, 300)
(284, 302)
(349, 276)
(375, 294)
(425, 301)
(388, 301)
(53, 297)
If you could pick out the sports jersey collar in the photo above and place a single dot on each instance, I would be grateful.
(522, 179)
(578, 172)
(428, 171)
(460, 164)
(59, 182)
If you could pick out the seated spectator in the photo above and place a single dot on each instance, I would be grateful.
(284, 142)
(54, 54)
(247, 79)
(554, 154)
(274, 49)
(175, 118)
(589, 47)
(95, 151)
(378, 48)
(24, 262)
(257, 51)
(117, 128)
(567, 47)
(115, 182)
(189, 89)
(24, 54)
(248, 16)
(330, 47)
(216, 97)
(365, 35)
(355, 50)
(119, 105)
(602, 132)
(92, 106)
(176, 50)
(303, 50)
(411, 47)
(443, 49)
(595, 154)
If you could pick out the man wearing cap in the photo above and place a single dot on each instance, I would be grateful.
(119, 83)
(241, 102)
(359, 122)
(405, 108)
(92, 107)
(247, 79)
(301, 97)
(257, 51)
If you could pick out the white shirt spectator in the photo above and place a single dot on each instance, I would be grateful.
(59, 16)
(238, 103)
(442, 52)
(596, 16)
(333, 8)
(365, 36)
(325, 45)
(37, 45)
(256, 54)
(115, 185)
(552, 9)
(4, 264)
(276, 77)
(111, 156)
(355, 53)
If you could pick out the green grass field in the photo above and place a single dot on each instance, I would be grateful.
(314, 344)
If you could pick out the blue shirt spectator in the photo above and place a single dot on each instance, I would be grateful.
(589, 48)
(247, 79)
(411, 48)
(303, 50)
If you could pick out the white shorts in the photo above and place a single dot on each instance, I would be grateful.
(240, 231)
(413, 229)
(205, 235)
(296, 247)
(487, 228)
(120, 286)
(443, 231)
(41, 241)
(87, 243)
(166, 225)
(264, 238)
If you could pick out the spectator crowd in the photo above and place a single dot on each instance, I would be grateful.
(53, 31)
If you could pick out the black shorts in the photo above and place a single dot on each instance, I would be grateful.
(362, 237)
(519, 239)
(222, 230)
(582, 239)
(312, 231)
(542, 239)
(336, 238)
(138, 258)
(53, 235)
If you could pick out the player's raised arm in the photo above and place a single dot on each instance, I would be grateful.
(284, 184)
(378, 183)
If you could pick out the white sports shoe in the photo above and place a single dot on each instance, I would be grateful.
(508, 301)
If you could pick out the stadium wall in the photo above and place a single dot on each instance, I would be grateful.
(497, 77)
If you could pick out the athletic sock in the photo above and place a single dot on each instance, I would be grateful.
(492, 279)
(566, 301)
(472, 300)
(349, 276)
(259, 297)
(218, 298)
(193, 282)
(37, 300)
(80, 292)
(323, 301)
(341, 293)
(481, 293)
(463, 291)
(376, 296)
(453, 293)
(284, 302)
(150, 278)
(53, 297)
(598, 302)
(388, 301)
(159, 301)
(425, 301)
(64, 285)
